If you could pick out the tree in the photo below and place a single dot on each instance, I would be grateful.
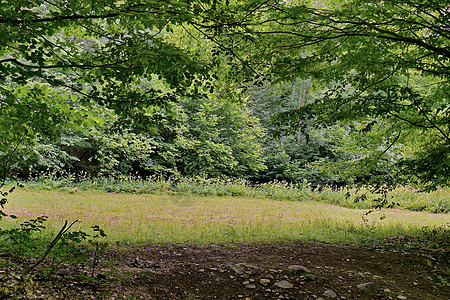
(378, 62)
(323, 154)
(59, 56)
(221, 138)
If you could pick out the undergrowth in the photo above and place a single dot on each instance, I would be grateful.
(32, 254)
(29, 250)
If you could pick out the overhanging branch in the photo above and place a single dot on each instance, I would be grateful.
(115, 65)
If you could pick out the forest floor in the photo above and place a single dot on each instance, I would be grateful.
(391, 269)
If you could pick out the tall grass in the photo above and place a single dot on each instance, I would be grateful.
(402, 197)
(132, 218)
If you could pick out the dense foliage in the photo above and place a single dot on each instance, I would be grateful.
(351, 92)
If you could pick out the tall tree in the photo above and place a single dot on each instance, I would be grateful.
(58, 56)
(377, 61)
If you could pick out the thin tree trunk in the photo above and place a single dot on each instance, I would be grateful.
(294, 85)
(301, 103)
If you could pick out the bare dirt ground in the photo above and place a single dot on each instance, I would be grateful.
(284, 270)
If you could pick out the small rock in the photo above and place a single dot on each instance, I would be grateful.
(312, 277)
(401, 297)
(284, 284)
(250, 266)
(246, 282)
(367, 288)
(387, 291)
(250, 286)
(273, 271)
(264, 281)
(330, 294)
(238, 269)
(299, 269)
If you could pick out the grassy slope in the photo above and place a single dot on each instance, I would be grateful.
(175, 219)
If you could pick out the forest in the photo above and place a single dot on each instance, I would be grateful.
(256, 90)
(338, 102)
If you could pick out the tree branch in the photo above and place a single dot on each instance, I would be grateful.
(433, 125)
(63, 230)
(58, 18)
(77, 66)
(410, 122)
(225, 48)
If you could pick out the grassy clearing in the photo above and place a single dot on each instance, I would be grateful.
(404, 197)
(133, 218)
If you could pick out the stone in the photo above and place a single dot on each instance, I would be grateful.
(273, 271)
(401, 297)
(284, 284)
(250, 266)
(368, 288)
(312, 277)
(250, 286)
(330, 294)
(299, 269)
(264, 281)
(238, 269)
(246, 282)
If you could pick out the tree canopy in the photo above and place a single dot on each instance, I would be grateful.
(372, 63)
(58, 57)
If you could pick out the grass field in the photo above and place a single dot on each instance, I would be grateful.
(131, 218)
(409, 198)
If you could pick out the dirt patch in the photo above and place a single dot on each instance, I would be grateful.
(289, 270)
